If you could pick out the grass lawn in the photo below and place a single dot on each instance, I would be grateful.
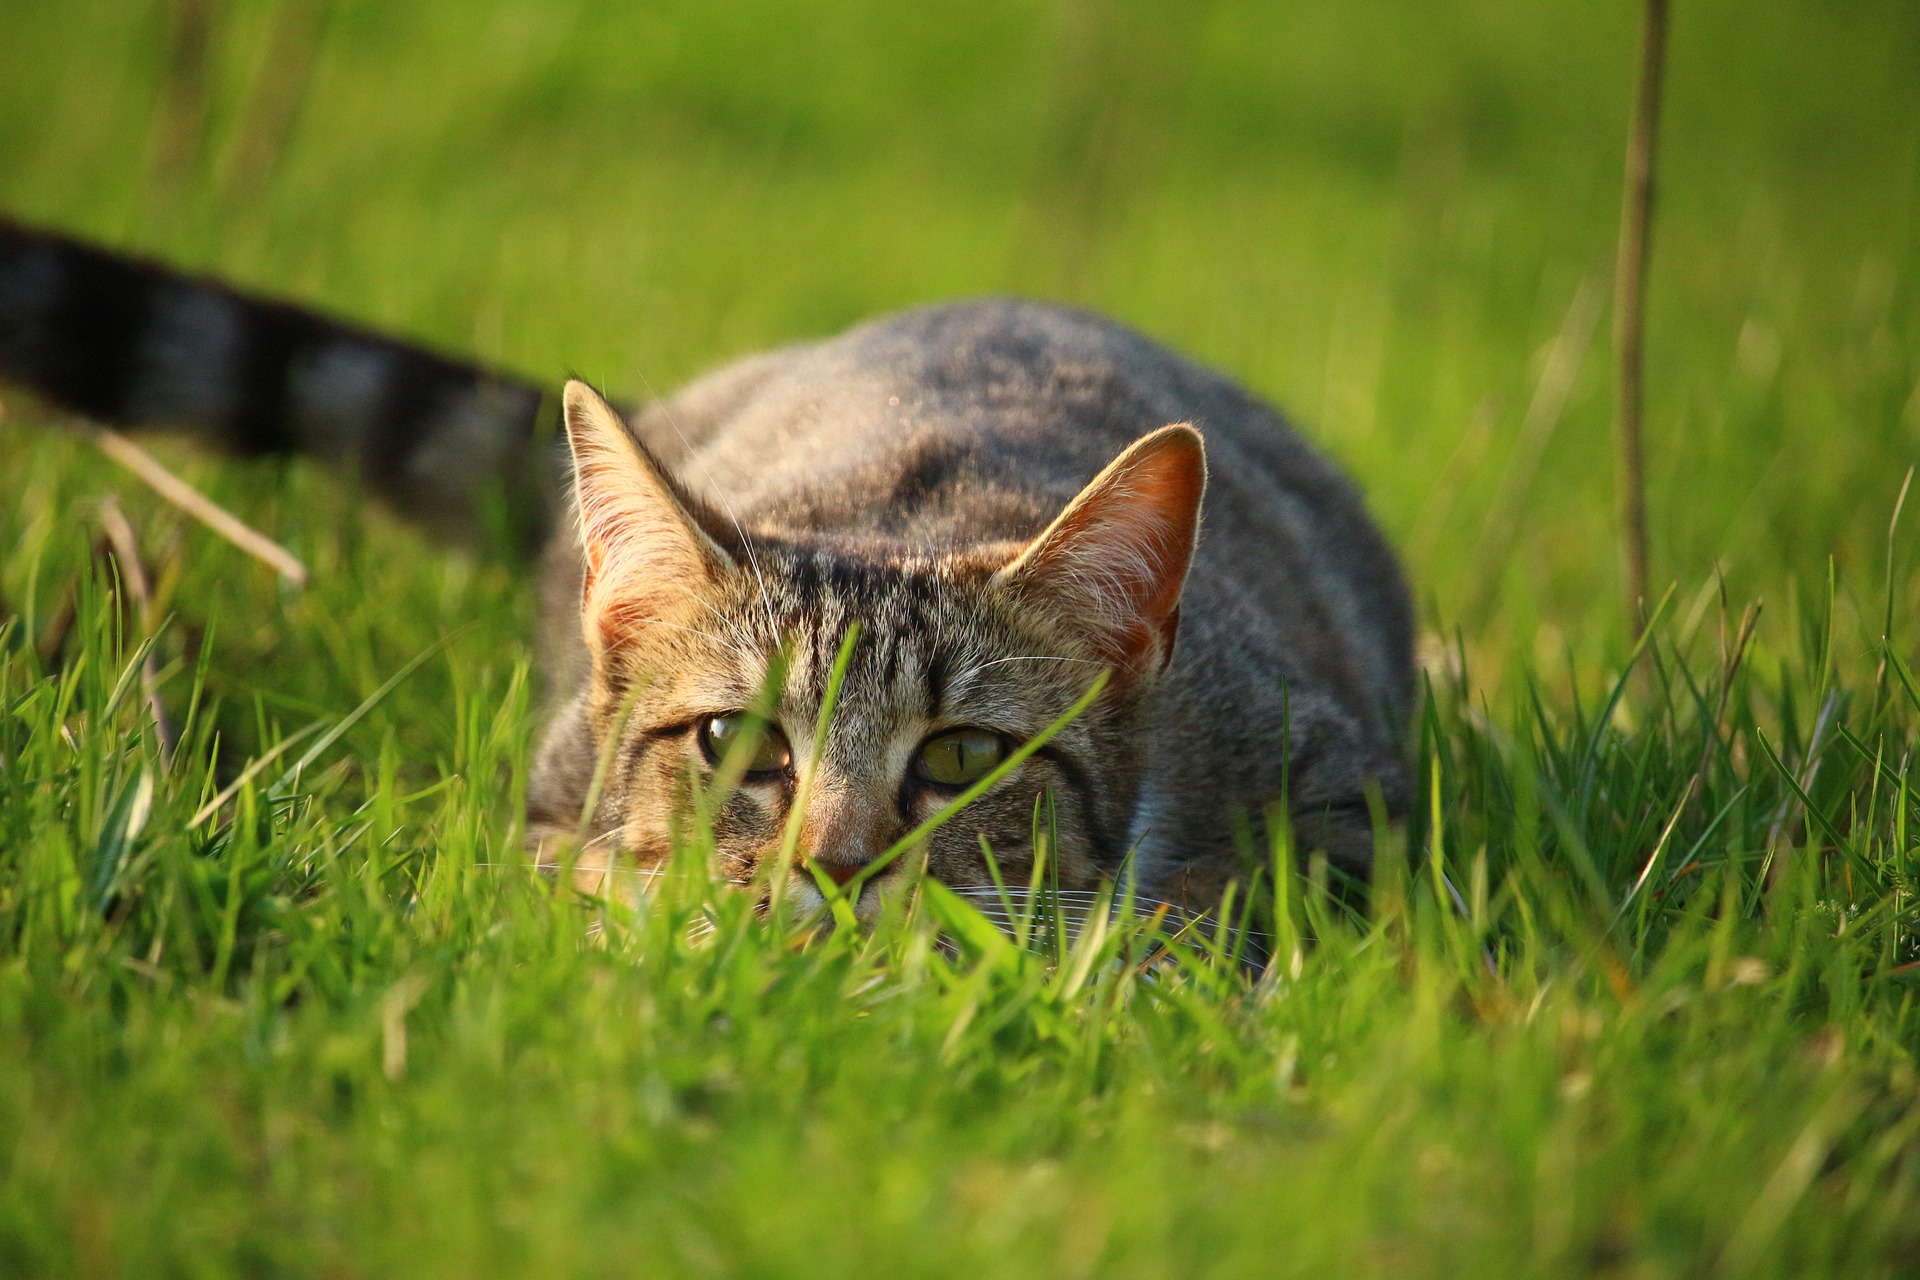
(1659, 1016)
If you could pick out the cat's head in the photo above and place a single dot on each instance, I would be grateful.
(712, 655)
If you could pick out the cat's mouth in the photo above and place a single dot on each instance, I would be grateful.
(804, 896)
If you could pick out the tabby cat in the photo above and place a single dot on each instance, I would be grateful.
(1006, 496)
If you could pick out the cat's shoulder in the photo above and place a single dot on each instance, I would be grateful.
(968, 337)
(981, 332)
(954, 356)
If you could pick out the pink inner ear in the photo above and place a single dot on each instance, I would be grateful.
(1117, 558)
(1165, 501)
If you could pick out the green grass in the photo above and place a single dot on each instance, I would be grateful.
(339, 1028)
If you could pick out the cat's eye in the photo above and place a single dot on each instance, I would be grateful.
(959, 758)
(720, 734)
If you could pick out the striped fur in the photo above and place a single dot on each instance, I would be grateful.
(991, 490)
(133, 344)
(910, 475)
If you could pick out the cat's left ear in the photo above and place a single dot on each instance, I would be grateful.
(646, 552)
(1116, 559)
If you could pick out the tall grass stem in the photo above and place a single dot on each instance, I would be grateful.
(1629, 307)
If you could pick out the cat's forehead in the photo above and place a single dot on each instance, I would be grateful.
(909, 613)
(927, 627)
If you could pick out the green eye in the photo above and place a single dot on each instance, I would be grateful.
(959, 758)
(720, 734)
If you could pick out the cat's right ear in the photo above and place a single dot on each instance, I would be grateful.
(645, 552)
(1115, 561)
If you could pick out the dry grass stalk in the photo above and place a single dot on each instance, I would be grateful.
(198, 505)
(274, 101)
(180, 118)
(1629, 305)
(133, 580)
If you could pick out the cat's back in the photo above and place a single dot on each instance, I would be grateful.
(915, 406)
(893, 420)
(980, 420)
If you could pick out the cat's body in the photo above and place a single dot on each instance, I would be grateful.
(978, 422)
(902, 476)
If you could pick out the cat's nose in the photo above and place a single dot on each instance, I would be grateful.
(839, 872)
(843, 832)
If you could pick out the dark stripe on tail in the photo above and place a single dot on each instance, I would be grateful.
(132, 343)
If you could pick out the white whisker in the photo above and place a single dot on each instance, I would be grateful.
(736, 649)
(733, 627)
(973, 671)
(1019, 907)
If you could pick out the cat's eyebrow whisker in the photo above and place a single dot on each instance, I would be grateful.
(736, 649)
(731, 625)
(973, 671)
(749, 648)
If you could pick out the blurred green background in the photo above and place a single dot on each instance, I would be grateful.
(340, 1028)
(1377, 214)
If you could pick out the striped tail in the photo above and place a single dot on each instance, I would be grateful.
(130, 343)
